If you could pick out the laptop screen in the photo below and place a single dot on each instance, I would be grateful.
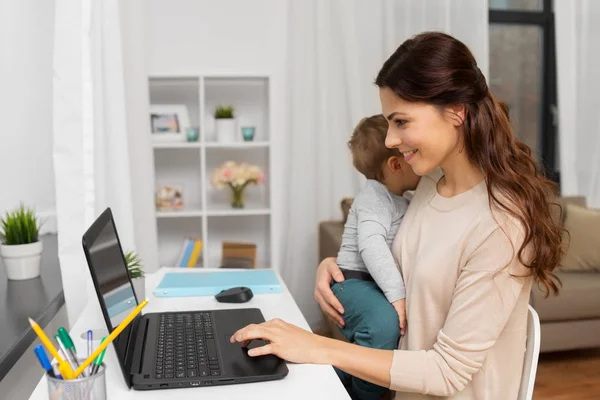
(111, 272)
(111, 279)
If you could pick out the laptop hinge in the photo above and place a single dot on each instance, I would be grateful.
(137, 344)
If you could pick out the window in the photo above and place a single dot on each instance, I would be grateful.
(523, 73)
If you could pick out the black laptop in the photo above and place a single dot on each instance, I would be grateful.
(171, 349)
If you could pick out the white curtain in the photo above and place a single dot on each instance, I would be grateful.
(578, 63)
(90, 139)
(336, 48)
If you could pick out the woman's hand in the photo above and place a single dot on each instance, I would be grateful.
(286, 341)
(400, 306)
(331, 306)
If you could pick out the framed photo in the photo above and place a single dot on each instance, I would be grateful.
(169, 197)
(168, 122)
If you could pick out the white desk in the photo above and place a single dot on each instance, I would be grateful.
(303, 381)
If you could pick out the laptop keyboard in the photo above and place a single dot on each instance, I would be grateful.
(186, 346)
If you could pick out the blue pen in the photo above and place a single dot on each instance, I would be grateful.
(90, 346)
(43, 359)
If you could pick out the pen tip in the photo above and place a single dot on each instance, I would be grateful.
(31, 322)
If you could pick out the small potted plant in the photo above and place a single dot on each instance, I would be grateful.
(136, 273)
(226, 124)
(21, 248)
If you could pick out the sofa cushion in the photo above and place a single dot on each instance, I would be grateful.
(330, 238)
(583, 253)
(346, 204)
(579, 298)
(562, 202)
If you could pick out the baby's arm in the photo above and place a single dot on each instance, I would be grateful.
(372, 228)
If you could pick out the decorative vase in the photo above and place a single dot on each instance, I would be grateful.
(192, 134)
(226, 128)
(22, 261)
(248, 133)
(237, 197)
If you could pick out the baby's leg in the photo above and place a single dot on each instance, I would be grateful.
(371, 321)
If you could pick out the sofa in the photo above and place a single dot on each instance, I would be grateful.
(570, 320)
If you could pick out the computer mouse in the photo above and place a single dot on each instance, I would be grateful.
(234, 295)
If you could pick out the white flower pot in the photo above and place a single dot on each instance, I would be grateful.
(226, 130)
(22, 261)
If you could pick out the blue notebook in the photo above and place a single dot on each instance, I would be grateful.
(263, 281)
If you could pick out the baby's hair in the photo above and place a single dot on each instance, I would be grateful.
(368, 147)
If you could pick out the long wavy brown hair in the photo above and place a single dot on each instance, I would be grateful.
(438, 69)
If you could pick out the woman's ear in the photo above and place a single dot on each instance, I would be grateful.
(457, 113)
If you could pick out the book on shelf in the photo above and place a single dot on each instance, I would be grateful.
(190, 253)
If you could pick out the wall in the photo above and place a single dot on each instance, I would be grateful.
(26, 44)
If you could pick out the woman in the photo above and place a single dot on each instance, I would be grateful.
(475, 237)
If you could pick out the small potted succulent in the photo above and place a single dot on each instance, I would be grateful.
(20, 247)
(225, 124)
(136, 273)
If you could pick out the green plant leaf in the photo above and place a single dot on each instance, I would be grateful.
(222, 112)
(19, 226)
(134, 265)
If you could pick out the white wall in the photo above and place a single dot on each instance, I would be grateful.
(26, 166)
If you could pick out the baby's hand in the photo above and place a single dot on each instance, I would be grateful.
(400, 306)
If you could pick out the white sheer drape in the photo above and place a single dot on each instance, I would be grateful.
(578, 63)
(90, 141)
(336, 48)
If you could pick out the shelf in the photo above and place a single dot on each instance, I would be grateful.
(176, 145)
(188, 166)
(225, 210)
(190, 211)
(235, 145)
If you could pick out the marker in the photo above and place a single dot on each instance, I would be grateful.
(43, 359)
(98, 360)
(64, 352)
(63, 366)
(66, 340)
(111, 337)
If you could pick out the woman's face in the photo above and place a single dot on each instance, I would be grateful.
(425, 135)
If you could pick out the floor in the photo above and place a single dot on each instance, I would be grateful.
(573, 375)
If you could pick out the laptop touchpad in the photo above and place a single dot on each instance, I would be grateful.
(242, 364)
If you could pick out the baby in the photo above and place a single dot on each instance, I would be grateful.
(373, 293)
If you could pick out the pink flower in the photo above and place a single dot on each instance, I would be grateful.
(261, 178)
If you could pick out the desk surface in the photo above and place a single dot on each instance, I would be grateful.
(302, 382)
(39, 298)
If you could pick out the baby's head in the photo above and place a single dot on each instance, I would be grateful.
(375, 161)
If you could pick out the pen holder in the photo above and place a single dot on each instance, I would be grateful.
(83, 388)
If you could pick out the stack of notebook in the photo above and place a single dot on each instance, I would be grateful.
(190, 253)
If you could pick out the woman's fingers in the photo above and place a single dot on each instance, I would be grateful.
(330, 298)
(335, 271)
(262, 350)
(251, 332)
(333, 315)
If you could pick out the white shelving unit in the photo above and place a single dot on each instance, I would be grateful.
(207, 213)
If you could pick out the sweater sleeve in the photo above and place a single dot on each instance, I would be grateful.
(374, 222)
(485, 295)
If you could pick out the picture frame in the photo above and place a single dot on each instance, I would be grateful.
(168, 122)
